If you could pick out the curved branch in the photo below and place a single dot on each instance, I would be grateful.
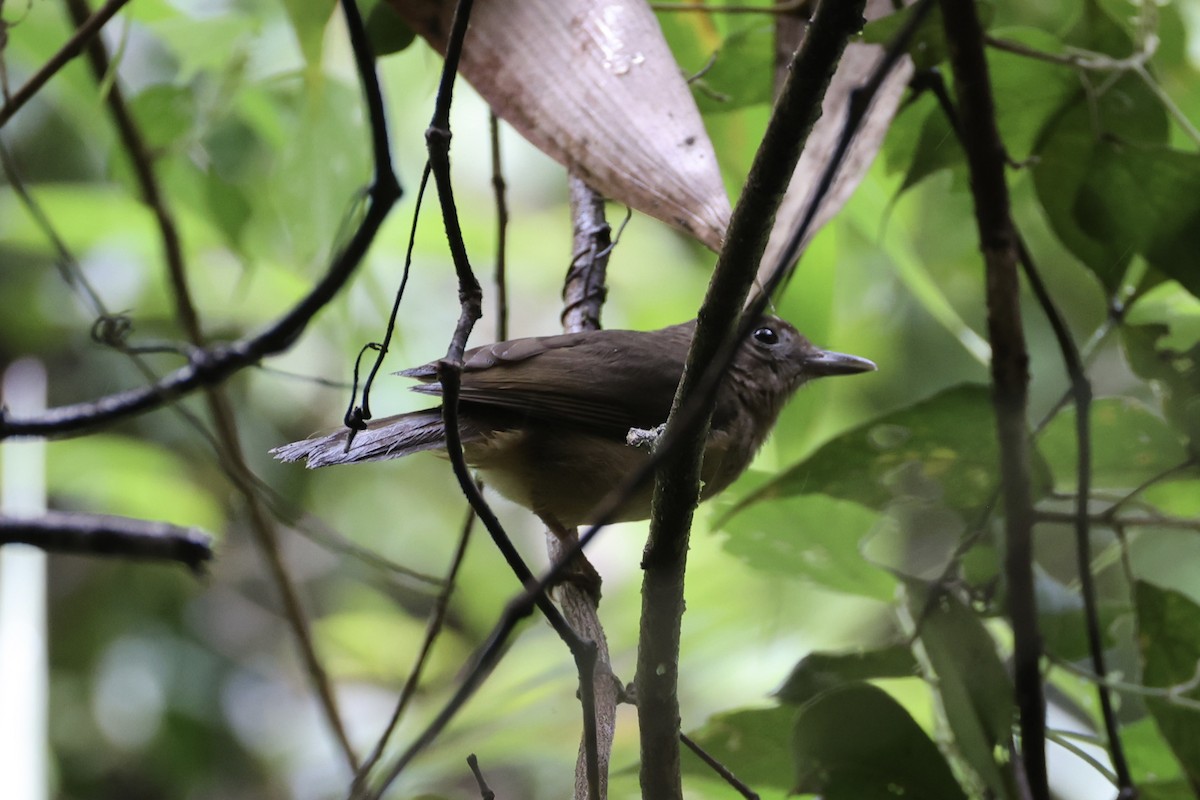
(212, 365)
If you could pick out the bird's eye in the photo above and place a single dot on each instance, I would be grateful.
(766, 335)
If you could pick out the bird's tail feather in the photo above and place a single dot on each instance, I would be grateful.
(392, 437)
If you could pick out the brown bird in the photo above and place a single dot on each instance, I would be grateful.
(545, 419)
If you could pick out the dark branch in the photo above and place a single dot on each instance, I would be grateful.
(111, 537)
(84, 33)
(1081, 391)
(678, 477)
(1010, 375)
(214, 364)
(723, 771)
(484, 792)
(584, 290)
(450, 373)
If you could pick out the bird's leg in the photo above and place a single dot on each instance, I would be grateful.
(580, 571)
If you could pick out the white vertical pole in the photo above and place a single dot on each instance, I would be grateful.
(23, 663)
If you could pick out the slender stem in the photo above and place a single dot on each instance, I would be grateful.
(85, 31)
(723, 771)
(677, 486)
(1010, 376)
(1081, 391)
(583, 295)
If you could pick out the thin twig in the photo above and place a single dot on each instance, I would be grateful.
(584, 291)
(1146, 484)
(84, 33)
(470, 295)
(1174, 694)
(433, 628)
(1104, 520)
(1084, 60)
(1065, 743)
(521, 606)
(1010, 377)
(719, 768)
(784, 7)
(356, 416)
(676, 490)
(102, 535)
(484, 792)
(219, 407)
(499, 192)
(214, 364)
(449, 371)
(1081, 391)
(66, 263)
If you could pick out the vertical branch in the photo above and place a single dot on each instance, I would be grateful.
(498, 189)
(1081, 395)
(1010, 375)
(584, 290)
(449, 371)
(470, 297)
(677, 486)
(583, 295)
(437, 138)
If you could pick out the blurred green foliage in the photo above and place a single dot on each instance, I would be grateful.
(165, 686)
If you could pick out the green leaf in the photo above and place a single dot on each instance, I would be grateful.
(1177, 381)
(972, 685)
(741, 72)
(815, 537)
(164, 113)
(1061, 620)
(1130, 444)
(856, 743)
(1028, 92)
(1169, 638)
(1165, 790)
(941, 450)
(1147, 200)
(1168, 304)
(1093, 136)
(1180, 498)
(363, 644)
(112, 474)
(752, 743)
(928, 44)
(386, 30)
(309, 18)
(1150, 757)
(1096, 30)
(820, 672)
(937, 148)
(1169, 556)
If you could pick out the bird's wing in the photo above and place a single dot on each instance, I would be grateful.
(608, 381)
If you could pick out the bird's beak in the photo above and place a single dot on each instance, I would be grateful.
(827, 362)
